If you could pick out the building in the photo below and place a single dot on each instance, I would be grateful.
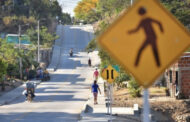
(178, 77)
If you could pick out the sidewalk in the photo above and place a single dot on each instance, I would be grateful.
(13, 94)
(97, 113)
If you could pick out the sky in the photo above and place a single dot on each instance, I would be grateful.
(68, 6)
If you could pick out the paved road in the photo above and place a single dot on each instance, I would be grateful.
(62, 98)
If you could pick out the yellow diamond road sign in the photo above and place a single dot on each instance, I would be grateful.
(145, 40)
(109, 74)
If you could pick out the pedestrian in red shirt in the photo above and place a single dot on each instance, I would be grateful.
(96, 74)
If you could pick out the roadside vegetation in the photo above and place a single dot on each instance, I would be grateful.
(27, 13)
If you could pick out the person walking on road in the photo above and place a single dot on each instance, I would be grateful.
(89, 62)
(95, 88)
(71, 52)
(96, 74)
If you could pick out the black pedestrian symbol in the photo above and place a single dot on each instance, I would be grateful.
(146, 25)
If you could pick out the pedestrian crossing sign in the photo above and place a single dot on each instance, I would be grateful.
(145, 40)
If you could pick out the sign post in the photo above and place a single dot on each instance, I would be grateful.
(109, 74)
(146, 107)
(111, 100)
(108, 100)
(110, 105)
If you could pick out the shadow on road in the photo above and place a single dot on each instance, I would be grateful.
(39, 117)
(57, 98)
(67, 62)
(70, 78)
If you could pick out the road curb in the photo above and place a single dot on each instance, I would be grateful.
(84, 109)
(4, 102)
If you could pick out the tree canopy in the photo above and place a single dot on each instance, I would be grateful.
(86, 10)
(14, 12)
(46, 38)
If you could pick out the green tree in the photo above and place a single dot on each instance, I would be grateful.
(86, 11)
(43, 8)
(17, 12)
(180, 9)
(13, 70)
(3, 70)
(28, 57)
(110, 7)
(65, 18)
(8, 55)
(46, 38)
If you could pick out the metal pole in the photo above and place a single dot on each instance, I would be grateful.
(20, 59)
(108, 93)
(131, 2)
(13, 4)
(111, 85)
(38, 41)
(19, 34)
(146, 107)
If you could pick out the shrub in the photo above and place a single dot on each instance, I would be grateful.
(13, 70)
(7, 20)
(134, 88)
(122, 77)
(91, 46)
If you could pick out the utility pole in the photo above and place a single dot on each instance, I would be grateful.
(20, 59)
(13, 4)
(38, 41)
(131, 2)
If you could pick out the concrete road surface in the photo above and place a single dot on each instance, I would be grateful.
(62, 98)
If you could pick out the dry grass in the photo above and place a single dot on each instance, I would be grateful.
(157, 91)
(165, 108)
(123, 98)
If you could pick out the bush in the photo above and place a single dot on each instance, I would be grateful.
(122, 77)
(13, 70)
(91, 46)
(7, 20)
(134, 88)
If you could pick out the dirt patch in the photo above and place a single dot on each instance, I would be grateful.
(11, 86)
(178, 110)
(163, 108)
